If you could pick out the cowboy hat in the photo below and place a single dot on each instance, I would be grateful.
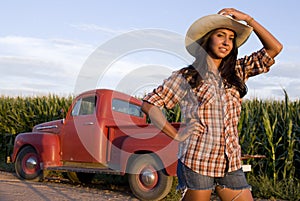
(210, 22)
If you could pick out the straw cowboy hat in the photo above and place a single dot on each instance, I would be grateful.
(210, 22)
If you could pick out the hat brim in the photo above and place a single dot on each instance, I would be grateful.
(215, 21)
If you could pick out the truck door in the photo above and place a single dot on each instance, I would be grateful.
(81, 137)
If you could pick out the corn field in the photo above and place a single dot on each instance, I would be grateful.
(267, 127)
(272, 128)
(21, 114)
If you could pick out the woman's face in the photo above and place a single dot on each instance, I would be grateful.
(221, 43)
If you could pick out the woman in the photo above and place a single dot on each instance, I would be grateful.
(209, 92)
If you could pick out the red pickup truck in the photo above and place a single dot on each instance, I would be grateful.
(106, 132)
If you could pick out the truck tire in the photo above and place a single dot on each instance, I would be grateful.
(80, 177)
(147, 179)
(27, 164)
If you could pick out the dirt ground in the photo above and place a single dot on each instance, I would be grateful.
(55, 189)
(14, 189)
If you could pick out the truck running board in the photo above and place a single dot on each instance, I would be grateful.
(87, 170)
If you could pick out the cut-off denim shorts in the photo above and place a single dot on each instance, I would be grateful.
(188, 179)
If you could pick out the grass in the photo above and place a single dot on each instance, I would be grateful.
(286, 189)
(7, 167)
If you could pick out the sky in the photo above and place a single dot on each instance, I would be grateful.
(66, 47)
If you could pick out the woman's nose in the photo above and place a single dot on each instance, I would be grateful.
(226, 41)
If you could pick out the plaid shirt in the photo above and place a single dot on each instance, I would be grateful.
(214, 112)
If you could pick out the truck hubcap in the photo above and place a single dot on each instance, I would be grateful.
(31, 163)
(148, 178)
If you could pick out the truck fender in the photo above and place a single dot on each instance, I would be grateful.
(47, 146)
(166, 152)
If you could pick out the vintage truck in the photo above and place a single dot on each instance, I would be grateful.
(105, 132)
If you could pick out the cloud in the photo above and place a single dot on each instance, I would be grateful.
(97, 28)
(29, 65)
(286, 70)
(282, 76)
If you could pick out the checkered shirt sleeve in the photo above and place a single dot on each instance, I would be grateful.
(257, 63)
(169, 93)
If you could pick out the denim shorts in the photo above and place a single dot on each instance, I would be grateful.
(188, 179)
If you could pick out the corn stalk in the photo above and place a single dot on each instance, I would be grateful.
(290, 142)
(271, 146)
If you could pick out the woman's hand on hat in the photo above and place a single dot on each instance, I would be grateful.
(235, 14)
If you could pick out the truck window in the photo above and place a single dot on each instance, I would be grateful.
(126, 107)
(84, 106)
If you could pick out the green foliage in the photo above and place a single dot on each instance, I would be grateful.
(269, 127)
(173, 115)
(21, 114)
(174, 194)
(265, 187)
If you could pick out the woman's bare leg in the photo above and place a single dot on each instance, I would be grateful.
(197, 195)
(227, 194)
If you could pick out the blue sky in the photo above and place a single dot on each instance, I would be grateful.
(44, 45)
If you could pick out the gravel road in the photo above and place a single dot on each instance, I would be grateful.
(14, 189)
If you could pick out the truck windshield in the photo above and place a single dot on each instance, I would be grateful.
(85, 106)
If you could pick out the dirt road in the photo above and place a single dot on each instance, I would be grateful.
(14, 189)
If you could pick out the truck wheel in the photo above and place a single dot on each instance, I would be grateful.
(27, 164)
(80, 177)
(147, 179)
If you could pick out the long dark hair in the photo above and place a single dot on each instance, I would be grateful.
(196, 72)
